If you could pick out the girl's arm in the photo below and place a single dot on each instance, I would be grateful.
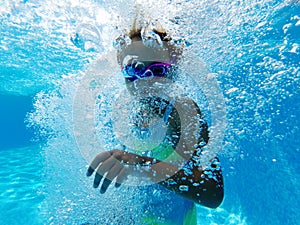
(204, 187)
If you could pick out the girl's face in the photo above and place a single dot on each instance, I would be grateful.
(139, 54)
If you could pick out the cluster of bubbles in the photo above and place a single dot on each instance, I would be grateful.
(231, 31)
(217, 27)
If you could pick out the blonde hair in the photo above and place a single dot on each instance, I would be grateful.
(139, 24)
(137, 33)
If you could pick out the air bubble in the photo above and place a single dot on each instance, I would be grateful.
(171, 182)
(184, 188)
(150, 37)
(88, 38)
(121, 42)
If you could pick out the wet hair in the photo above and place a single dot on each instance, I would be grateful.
(137, 34)
(136, 31)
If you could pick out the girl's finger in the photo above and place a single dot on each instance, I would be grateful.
(96, 161)
(104, 168)
(112, 173)
(121, 177)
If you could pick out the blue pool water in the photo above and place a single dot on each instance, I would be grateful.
(252, 47)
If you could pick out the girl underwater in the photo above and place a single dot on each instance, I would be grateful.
(151, 58)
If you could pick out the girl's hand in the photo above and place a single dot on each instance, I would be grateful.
(114, 164)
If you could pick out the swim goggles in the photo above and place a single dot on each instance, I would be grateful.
(138, 70)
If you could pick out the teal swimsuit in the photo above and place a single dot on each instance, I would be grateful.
(164, 207)
(161, 206)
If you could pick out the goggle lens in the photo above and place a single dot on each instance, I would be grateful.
(138, 70)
